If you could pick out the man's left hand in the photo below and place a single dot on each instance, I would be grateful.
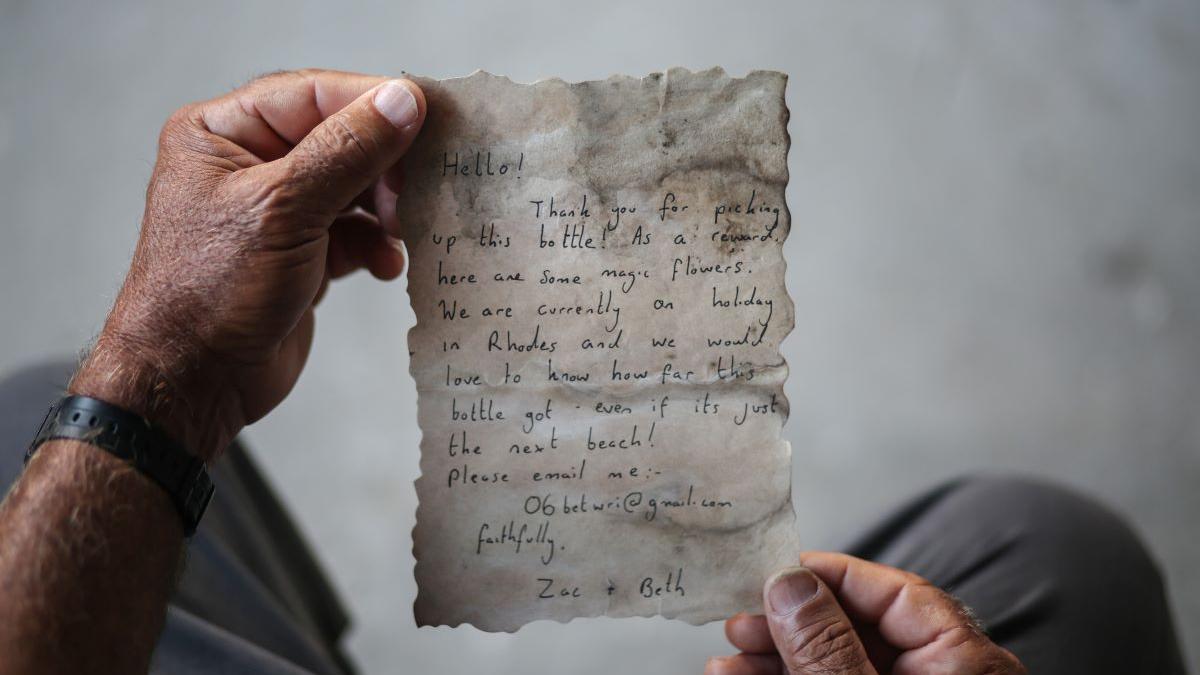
(258, 199)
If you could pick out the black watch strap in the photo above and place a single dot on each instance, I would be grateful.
(133, 439)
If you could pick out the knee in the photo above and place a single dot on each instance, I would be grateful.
(1064, 573)
(1059, 529)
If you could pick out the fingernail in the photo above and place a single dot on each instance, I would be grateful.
(790, 588)
(395, 101)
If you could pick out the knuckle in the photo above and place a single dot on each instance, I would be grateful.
(343, 134)
(177, 125)
(273, 77)
(185, 131)
(961, 635)
(185, 114)
(825, 645)
(980, 654)
(308, 73)
(339, 145)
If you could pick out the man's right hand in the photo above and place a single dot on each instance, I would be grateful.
(838, 615)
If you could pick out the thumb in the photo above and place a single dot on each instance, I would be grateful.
(810, 630)
(345, 154)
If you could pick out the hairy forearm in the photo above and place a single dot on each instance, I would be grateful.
(89, 548)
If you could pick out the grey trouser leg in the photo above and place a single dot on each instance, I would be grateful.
(251, 597)
(1054, 577)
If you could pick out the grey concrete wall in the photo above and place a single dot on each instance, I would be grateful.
(994, 257)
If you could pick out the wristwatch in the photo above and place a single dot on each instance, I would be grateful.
(133, 439)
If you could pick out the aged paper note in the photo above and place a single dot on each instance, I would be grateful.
(598, 278)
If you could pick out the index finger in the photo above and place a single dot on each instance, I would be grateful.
(271, 114)
(909, 611)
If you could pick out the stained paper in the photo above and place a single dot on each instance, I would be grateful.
(598, 278)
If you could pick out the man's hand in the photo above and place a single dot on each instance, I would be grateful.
(839, 615)
(248, 217)
(249, 214)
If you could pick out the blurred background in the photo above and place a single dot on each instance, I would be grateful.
(995, 255)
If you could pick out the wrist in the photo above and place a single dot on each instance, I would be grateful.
(175, 392)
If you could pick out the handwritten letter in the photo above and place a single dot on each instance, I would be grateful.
(598, 278)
